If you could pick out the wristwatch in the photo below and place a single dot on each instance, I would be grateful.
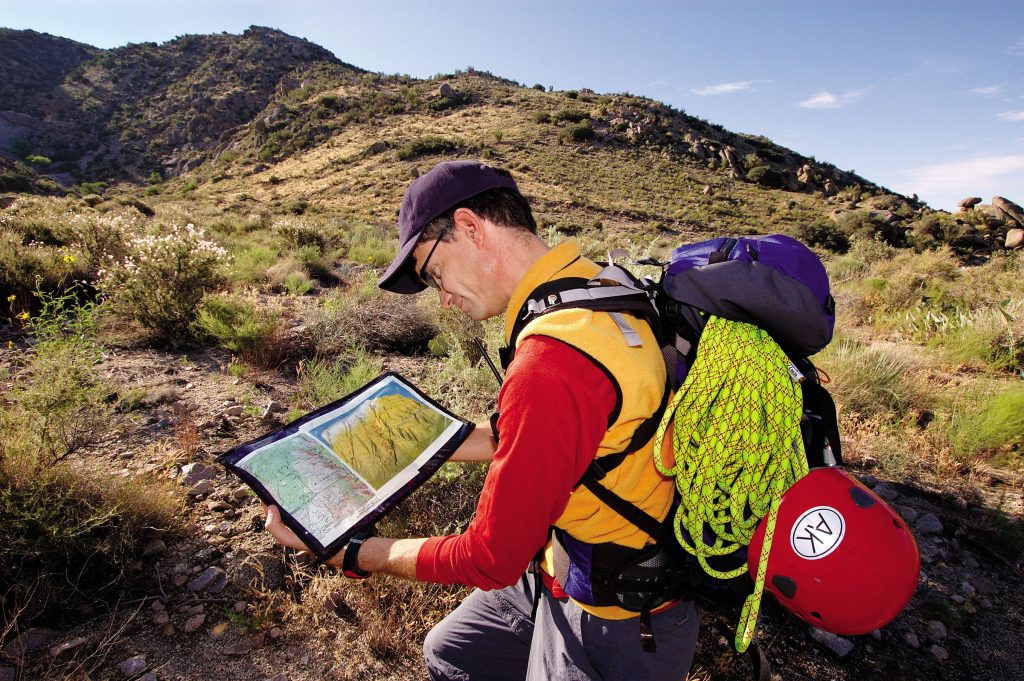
(350, 561)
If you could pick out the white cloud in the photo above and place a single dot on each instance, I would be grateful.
(724, 88)
(943, 185)
(827, 100)
(989, 90)
(1017, 48)
(1012, 116)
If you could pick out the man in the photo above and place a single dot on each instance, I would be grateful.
(579, 387)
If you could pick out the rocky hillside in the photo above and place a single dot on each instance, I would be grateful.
(143, 108)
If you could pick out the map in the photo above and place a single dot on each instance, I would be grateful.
(337, 470)
(310, 483)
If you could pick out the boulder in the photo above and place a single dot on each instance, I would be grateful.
(445, 90)
(993, 216)
(1014, 238)
(1009, 208)
(195, 472)
(29, 641)
(831, 188)
(969, 203)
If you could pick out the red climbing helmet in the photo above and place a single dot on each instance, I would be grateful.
(841, 558)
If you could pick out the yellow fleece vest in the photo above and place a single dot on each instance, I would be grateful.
(639, 373)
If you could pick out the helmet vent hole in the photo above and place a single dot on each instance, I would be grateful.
(817, 615)
(896, 524)
(785, 585)
(862, 497)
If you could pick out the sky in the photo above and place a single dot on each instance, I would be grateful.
(922, 97)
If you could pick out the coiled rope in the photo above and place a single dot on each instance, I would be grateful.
(737, 448)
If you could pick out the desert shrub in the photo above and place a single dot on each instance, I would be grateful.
(426, 146)
(234, 323)
(298, 233)
(322, 381)
(298, 283)
(908, 279)
(251, 263)
(767, 177)
(990, 337)
(92, 187)
(160, 283)
(985, 419)
(582, 133)
(871, 380)
(823, 234)
(69, 533)
(369, 245)
(365, 315)
(541, 117)
(569, 115)
(868, 224)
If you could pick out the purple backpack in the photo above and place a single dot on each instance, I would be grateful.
(773, 282)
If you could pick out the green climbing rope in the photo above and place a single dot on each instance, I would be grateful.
(737, 448)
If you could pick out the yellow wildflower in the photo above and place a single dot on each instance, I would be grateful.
(69, 259)
(23, 316)
(11, 298)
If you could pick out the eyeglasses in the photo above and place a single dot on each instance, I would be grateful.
(426, 277)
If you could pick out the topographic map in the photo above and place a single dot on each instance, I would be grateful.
(310, 483)
(384, 434)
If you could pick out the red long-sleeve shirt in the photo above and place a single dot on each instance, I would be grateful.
(554, 408)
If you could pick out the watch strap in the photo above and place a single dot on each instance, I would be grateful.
(350, 560)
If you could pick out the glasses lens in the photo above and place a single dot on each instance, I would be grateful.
(426, 277)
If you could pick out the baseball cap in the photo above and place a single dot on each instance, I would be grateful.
(429, 196)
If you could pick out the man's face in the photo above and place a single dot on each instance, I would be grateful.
(464, 273)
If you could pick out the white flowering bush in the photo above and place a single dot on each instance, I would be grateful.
(162, 279)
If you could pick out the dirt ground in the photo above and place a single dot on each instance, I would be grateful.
(219, 600)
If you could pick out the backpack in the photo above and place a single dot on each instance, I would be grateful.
(773, 283)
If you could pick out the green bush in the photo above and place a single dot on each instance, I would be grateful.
(582, 133)
(322, 381)
(38, 160)
(541, 117)
(426, 146)
(570, 115)
(987, 421)
(823, 234)
(68, 533)
(870, 380)
(298, 284)
(92, 187)
(235, 324)
(162, 280)
(767, 177)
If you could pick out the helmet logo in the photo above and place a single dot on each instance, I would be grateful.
(817, 532)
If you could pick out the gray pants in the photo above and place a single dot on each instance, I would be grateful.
(490, 636)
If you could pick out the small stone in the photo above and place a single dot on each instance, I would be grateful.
(868, 479)
(236, 410)
(154, 548)
(218, 629)
(984, 586)
(245, 646)
(133, 666)
(240, 493)
(64, 647)
(157, 606)
(179, 580)
(276, 633)
(967, 589)
(193, 623)
(225, 529)
(928, 524)
(240, 607)
(206, 579)
(197, 472)
(907, 513)
(149, 676)
(876, 634)
(275, 407)
(958, 599)
(194, 610)
(910, 638)
(885, 491)
(936, 630)
(218, 505)
(304, 659)
(161, 618)
(30, 641)
(168, 629)
(200, 488)
(986, 604)
(939, 652)
(837, 644)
